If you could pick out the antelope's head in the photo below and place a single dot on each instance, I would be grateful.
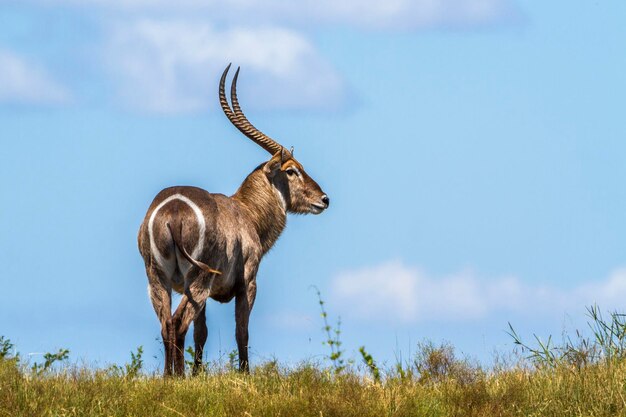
(300, 192)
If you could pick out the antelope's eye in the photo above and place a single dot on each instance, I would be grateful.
(290, 171)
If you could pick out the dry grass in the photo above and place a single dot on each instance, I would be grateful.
(578, 377)
(436, 384)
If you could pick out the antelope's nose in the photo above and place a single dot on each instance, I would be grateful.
(326, 200)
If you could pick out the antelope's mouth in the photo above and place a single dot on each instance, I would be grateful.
(317, 208)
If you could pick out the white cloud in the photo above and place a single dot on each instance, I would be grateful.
(172, 66)
(166, 56)
(385, 290)
(405, 294)
(367, 14)
(290, 320)
(25, 82)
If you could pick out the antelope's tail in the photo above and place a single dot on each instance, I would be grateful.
(182, 250)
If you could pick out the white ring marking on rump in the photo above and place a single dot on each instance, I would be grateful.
(197, 250)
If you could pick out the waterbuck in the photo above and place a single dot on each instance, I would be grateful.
(205, 245)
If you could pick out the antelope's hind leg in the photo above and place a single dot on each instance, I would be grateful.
(161, 297)
(200, 333)
(191, 306)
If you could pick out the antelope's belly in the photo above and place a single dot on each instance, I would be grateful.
(222, 287)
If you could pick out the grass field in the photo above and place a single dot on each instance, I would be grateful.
(578, 377)
(596, 390)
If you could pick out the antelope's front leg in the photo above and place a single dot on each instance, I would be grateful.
(243, 306)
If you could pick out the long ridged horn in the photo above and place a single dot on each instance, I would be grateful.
(239, 120)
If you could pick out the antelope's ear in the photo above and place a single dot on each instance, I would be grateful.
(273, 165)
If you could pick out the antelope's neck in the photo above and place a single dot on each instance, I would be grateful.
(265, 207)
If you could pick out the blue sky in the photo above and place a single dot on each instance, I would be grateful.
(472, 149)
